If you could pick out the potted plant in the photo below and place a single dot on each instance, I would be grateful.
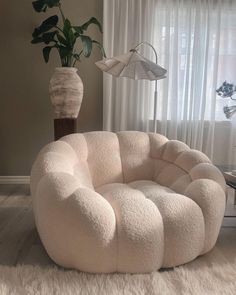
(71, 43)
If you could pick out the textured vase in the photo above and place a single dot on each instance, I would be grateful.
(66, 92)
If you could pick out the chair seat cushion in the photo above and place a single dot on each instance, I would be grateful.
(154, 224)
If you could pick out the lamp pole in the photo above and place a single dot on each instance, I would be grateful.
(155, 91)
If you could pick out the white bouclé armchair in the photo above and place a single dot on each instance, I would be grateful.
(129, 202)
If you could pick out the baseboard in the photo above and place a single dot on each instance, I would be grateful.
(14, 179)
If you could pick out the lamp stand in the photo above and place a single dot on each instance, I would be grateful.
(155, 108)
(155, 92)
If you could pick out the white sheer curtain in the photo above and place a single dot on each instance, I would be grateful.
(191, 38)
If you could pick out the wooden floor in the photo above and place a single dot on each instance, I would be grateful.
(19, 240)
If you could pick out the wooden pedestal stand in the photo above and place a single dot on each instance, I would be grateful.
(64, 127)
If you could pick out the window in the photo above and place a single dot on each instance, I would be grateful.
(198, 47)
(227, 59)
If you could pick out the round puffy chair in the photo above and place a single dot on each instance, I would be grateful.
(129, 202)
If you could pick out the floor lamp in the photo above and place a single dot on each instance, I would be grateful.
(135, 66)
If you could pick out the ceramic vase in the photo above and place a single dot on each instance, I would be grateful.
(66, 92)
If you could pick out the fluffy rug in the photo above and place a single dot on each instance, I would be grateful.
(209, 274)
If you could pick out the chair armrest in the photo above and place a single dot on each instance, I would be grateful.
(76, 224)
(178, 165)
(59, 156)
(208, 171)
(210, 197)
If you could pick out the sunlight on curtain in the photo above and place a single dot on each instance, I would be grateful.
(195, 41)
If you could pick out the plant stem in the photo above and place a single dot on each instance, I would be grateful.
(62, 14)
(80, 52)
(70, 60)
(59, 29)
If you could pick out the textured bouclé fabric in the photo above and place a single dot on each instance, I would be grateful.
(129, 202)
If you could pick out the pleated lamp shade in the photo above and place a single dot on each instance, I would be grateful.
(132, 65)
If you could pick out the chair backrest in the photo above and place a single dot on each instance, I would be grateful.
(98, 158)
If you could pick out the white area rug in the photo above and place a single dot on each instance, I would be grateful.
(210, 274)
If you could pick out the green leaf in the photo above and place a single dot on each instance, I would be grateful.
(87, 45)
(69, 34)
(64, 52)
(46, 38)
(42, 5)
(92, 20)
(78, 31)
(46, 53)
(62, 40)
(101, 47)
(67, 27)
(52, 3)
(72, 38)
(46, 25)
(37, 40)
(36, 32)
(49, 37)
(39, 6)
